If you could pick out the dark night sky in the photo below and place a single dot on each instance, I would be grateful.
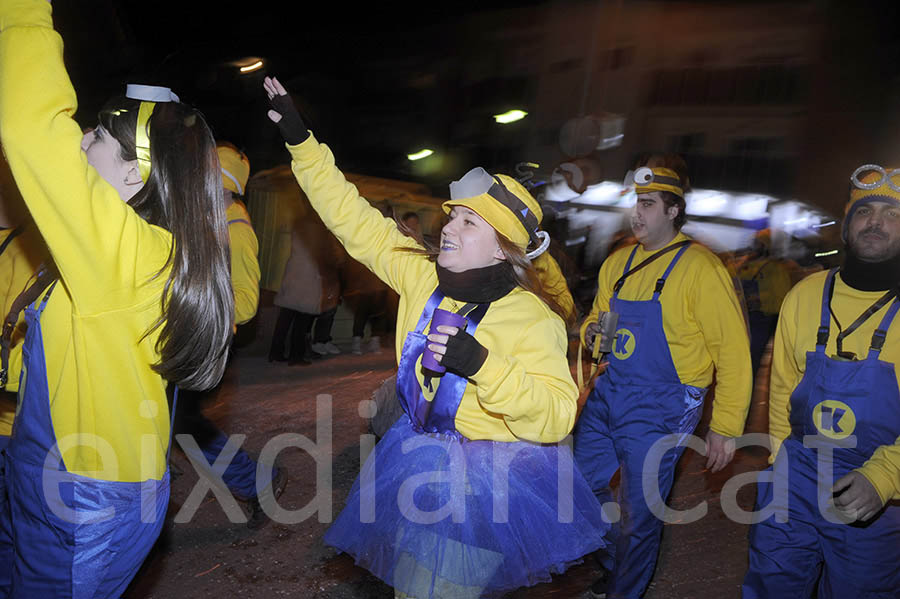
(350, 66)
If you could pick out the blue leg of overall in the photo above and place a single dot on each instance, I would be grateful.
(785, 557)
(240, 473)
(596, 458)
(6, 547)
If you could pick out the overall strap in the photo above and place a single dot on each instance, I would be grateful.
(45, 276)
(15, 233)
(760, 269)
(880, 333)
(681, 246)
(825, 319)
(433, 302)
(662, 281)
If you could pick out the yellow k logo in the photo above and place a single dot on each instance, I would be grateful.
(623, 344)
(834, 419)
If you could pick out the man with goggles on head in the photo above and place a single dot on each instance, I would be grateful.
(834, 400)
(679, 321)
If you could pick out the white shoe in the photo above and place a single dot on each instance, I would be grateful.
(331, 348)
(356, 346)
(320, 348)
(374, 345)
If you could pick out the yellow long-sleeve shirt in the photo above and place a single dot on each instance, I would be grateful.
(796, 335)
(702, 321)
(555, 283)
(773, 279)
(18, 263)
(524, 389)
(244, 263)
(100, 382)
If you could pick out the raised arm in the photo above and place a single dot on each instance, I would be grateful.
(95, 238)
(366, 234)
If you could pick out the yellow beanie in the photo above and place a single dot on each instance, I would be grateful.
(235, 169)
(881, 193)
(516, 215)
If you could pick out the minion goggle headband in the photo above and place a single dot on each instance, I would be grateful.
(886, 178)
(646, 179)
(479, 182)
(148, 95)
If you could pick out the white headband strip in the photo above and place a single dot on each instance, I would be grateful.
(150, 93)
(234, 180)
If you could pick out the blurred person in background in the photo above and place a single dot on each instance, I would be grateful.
(507, 394)
(239, 474)
(765, 280)
(679, 322)
(834, 418)
(372, 302)
(245, 273)
(310, 290)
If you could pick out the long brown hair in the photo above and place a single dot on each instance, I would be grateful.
(184, 195)
(522, 271)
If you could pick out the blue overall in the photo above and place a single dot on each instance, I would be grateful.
(837, 401)
(72, 536)
(636, 402)
(438, 415)
(499, 537)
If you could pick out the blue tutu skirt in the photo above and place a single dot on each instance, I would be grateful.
(434, 516)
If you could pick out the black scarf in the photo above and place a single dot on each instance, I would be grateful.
(477, 285)
(870, 276)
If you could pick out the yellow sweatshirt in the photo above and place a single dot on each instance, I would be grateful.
(555, 283)
(524, 389)
(702, 321)
(100, 382)
(18, 263)
(773, 279)
(796, 335)
(244, 263)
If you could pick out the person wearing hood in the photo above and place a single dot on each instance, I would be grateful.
(460, 498)
(829, 500)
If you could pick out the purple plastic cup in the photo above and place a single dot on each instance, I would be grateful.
(440, 318)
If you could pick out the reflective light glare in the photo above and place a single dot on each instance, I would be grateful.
(252, 67)
(831, 253)
(419, 155)
(828, 224)
(510, 116)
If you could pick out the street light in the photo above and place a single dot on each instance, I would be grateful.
(510, 116)
(251, 67)
(420, 154)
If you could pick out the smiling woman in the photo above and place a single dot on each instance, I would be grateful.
(488, 427)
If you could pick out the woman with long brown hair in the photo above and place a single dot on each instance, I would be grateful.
(133, 215)
(469, 493)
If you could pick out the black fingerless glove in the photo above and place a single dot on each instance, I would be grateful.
(293, 130)
(464, 355)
